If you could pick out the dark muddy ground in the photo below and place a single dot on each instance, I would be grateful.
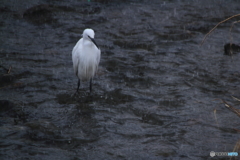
(155, 93)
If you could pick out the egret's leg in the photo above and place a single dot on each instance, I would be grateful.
(78, 85)
(90, 87)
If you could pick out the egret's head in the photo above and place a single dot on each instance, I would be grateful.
(88, 34)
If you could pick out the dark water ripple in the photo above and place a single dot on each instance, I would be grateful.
(155, 93)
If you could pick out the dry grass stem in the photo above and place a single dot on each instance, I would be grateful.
(231, 108)
(236, 98)
(9, 70)
(217, 26)
(215, 116)
(231, 38)
(236, 148)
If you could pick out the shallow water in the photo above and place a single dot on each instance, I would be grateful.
(155, 92)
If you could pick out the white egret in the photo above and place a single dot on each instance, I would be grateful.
(86, 57)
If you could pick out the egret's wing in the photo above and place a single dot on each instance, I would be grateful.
(75, 64)
(75, 56)
(98, 55)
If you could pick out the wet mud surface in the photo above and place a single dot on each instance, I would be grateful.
(155, 93)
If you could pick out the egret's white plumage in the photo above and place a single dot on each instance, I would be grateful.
(86, 57)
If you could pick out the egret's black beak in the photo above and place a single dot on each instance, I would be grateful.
(93, 41)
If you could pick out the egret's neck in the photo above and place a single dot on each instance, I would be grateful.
(87, 42)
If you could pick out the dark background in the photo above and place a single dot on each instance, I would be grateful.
(157, 92)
